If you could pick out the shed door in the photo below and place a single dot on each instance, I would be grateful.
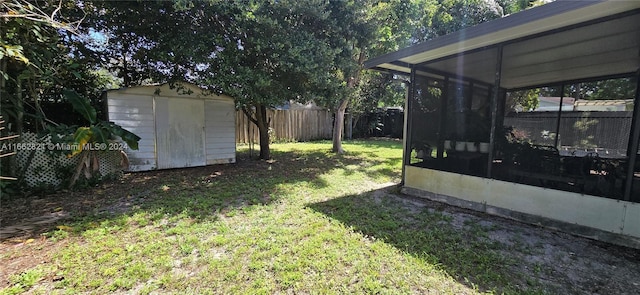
(179, 132)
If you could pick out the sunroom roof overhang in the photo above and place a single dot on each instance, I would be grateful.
(556, 42)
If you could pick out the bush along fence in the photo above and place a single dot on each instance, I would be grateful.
(380, 123)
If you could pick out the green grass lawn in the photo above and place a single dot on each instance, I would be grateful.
(308, 221)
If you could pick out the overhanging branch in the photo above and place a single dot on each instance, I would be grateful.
(26, 10)
(249, 116)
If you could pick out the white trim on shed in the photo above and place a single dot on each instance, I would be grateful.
(178, 128)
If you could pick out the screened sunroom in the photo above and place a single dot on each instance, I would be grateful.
(534, 116)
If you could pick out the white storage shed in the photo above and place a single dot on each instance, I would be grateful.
(178, 127)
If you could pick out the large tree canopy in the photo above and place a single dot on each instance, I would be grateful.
(281, 54)
(265, 53)
(37, 61)
(154, 41)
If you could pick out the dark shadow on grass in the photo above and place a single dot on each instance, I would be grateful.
(427, 234)
(201, 193)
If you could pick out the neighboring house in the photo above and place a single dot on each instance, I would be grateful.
(618, 105)
(550, 104)
(480, 161)
(178, 127)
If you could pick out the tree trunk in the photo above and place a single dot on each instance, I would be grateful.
(338, 126)
(259, 117)
(13, 162)
(263, 129)
(338, 123)
(19, 108)
(125, 67)
(355, 124)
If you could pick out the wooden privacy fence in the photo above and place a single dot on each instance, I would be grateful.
(288, 125)
(578, 129)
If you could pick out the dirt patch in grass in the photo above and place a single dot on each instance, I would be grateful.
(564, 263)
(18, 255)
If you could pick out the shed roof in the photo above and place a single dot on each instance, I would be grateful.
(179, 89)
(559, 41)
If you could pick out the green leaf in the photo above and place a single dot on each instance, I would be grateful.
(15, 51)
(130, 138)
(81, 137)
(36, 31)
(81, 105)
(100, 135)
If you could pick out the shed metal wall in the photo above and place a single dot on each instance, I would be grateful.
(179, 132)
(134, 112)
(220, 133)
